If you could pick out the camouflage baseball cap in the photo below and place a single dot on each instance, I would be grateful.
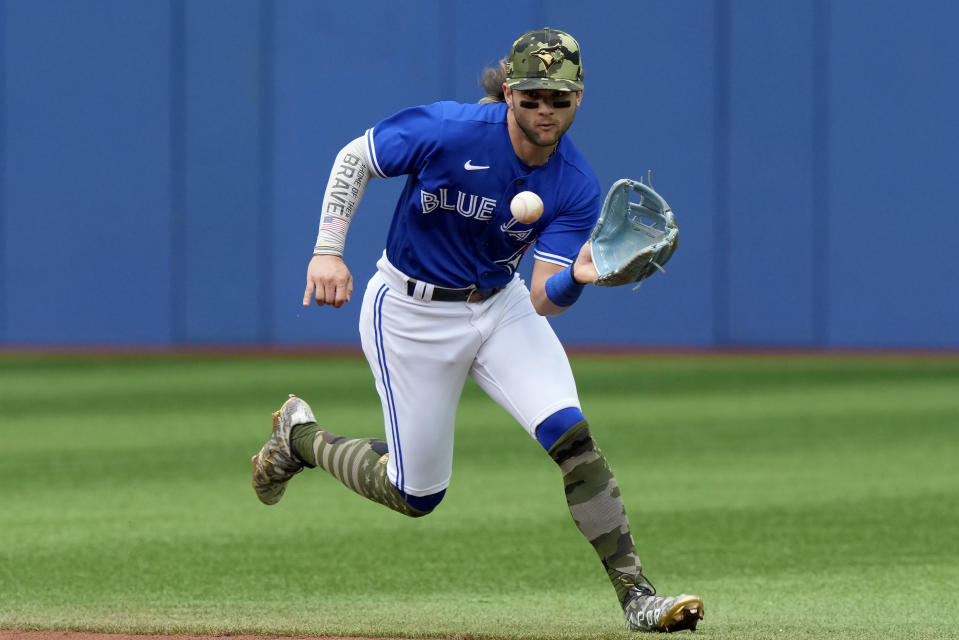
(545, 59)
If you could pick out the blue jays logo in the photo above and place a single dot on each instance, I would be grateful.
(519, 235)
(549, 55)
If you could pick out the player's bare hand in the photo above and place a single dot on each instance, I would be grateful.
(328, 281)
(584, 271)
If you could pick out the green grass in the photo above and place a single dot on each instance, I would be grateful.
(802, 497)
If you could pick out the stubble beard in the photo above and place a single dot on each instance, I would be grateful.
(536, 137)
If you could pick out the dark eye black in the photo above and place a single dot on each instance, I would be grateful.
(558, 100)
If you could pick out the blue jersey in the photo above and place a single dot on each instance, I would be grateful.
(452, 225)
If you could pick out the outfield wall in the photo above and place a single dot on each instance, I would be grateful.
(163, 161)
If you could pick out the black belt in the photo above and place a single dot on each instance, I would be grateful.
(469, 294)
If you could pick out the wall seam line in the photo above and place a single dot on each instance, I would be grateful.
(721, 172)
(178, 257)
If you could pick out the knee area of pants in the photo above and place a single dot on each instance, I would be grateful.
(550, 430)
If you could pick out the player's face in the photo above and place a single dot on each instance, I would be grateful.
(542, 115)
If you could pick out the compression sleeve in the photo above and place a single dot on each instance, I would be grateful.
(348, 179)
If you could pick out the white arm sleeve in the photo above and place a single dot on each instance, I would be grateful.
(348, 179)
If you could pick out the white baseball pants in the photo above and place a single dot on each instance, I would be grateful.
(420, 353)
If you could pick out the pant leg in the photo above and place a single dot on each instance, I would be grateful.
(522, 364)
(419, 353)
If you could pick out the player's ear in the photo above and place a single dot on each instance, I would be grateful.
(579, 98)
(507, 95)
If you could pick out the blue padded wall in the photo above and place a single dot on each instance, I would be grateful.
(162, 162)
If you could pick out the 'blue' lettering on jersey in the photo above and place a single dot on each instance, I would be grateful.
(468, 205)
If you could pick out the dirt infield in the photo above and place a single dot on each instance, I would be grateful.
(83, 635)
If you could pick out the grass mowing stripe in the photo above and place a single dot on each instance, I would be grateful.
(802, 497)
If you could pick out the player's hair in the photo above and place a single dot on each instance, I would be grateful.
(491, 80)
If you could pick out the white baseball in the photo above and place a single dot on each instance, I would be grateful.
(526, 207)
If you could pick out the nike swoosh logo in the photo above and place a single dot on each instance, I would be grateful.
(469, 166)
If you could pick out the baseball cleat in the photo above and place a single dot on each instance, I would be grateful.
(645, 611)
(276, 463)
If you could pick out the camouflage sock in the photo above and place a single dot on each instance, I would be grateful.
(358, 463)
(597, 507)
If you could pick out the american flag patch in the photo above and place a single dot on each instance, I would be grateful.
(334, 223)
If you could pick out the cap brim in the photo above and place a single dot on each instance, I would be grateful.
(551, 84)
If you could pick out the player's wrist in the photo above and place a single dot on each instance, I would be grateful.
(572, 273)
(327, 251)
(562, 289)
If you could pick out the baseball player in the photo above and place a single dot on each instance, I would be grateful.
(446, 303)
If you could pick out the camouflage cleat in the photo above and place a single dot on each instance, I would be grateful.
(276, 463)
(645, 611)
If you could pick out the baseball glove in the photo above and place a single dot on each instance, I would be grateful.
(631, 240)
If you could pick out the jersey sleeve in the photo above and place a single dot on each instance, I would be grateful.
(401, 143)
(560, 242)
